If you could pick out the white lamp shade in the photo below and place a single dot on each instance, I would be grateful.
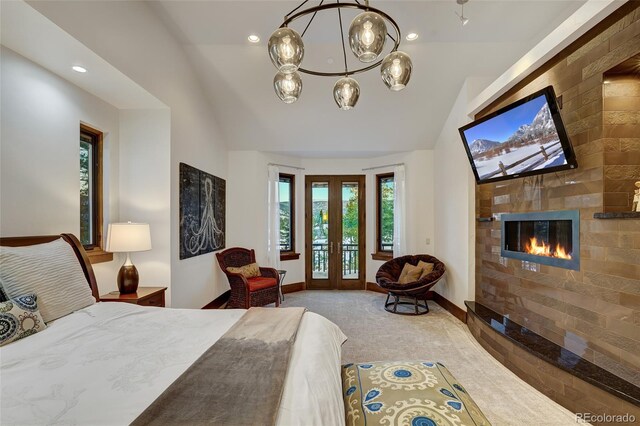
(128, 237)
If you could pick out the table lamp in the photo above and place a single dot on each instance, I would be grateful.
(126, 238)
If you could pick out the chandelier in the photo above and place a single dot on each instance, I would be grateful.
(367, 36)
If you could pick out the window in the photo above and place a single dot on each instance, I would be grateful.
(286, 193)
(384, 219)
(91, 194)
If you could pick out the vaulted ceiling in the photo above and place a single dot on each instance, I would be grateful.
(238, 75)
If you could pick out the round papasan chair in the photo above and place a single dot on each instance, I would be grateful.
(389, 273)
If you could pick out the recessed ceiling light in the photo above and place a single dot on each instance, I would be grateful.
(78, 68)
(412, 36)
(253, 38)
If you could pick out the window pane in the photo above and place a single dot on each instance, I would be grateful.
(320, 229)
(350, 231)
(386, 213)
(284, 192)
(86, 190)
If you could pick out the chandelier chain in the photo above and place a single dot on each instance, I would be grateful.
(311, 20)
(294, 10)
(344, 50)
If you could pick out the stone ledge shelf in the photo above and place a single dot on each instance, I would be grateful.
(617, 215)
(562, 375)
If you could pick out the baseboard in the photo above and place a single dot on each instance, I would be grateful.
(453, 309)
(375, 287)
(450, 307)
(292, 288)
(219, 301)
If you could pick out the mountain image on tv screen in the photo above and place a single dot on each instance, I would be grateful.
(519, 140)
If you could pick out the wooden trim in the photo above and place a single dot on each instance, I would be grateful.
(308, 224)
(451, 307)
(219, 301)
(79, 251)
(292, 204)
(98, 185)
(292, 288)
(335, 281)
(349, 284)
(375, 287)
(97, 255)
(381, 254)
(289, 255)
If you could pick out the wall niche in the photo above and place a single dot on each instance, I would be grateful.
(621, 134)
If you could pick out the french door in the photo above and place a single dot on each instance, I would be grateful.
(335, 232)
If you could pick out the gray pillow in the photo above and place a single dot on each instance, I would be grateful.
(51, 271)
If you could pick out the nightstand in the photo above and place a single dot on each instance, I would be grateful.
(145, 296)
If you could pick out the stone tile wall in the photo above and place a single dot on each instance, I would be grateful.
(594, 312)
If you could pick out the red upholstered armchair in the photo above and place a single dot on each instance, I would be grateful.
(247, 292)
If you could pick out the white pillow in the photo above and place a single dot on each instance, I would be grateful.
(51, 271)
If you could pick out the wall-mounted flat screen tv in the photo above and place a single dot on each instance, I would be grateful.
(522, 139)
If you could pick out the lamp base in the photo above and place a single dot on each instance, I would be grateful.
(128, 279)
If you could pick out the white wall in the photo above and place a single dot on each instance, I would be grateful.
(247, 206)
(248, 223)
(135, 41)
(39, 173)
(40, 154)
(145, 189)
(455, 208)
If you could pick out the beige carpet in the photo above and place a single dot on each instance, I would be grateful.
(375, 335)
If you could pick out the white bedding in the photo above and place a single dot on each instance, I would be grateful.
(104, 364)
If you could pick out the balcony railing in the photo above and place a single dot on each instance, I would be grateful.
(349, 254)
(349, 260)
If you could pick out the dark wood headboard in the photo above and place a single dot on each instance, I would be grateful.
(83, 259)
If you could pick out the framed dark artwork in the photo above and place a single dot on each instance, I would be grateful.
(202, 212)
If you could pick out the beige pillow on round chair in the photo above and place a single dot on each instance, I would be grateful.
(427, 268)
(410, 274)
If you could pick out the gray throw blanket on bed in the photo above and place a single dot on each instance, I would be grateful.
(237, 381)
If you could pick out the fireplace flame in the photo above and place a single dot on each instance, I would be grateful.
(542, 249)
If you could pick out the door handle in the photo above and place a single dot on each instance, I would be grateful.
(331, 244)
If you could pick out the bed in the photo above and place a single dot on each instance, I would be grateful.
(106, 363)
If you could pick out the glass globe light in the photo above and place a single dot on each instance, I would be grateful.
(396, 70)
(367, 35)
(346, 93)
(286, 50)
(287, 86)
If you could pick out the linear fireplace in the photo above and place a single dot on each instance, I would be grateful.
(550, 238)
